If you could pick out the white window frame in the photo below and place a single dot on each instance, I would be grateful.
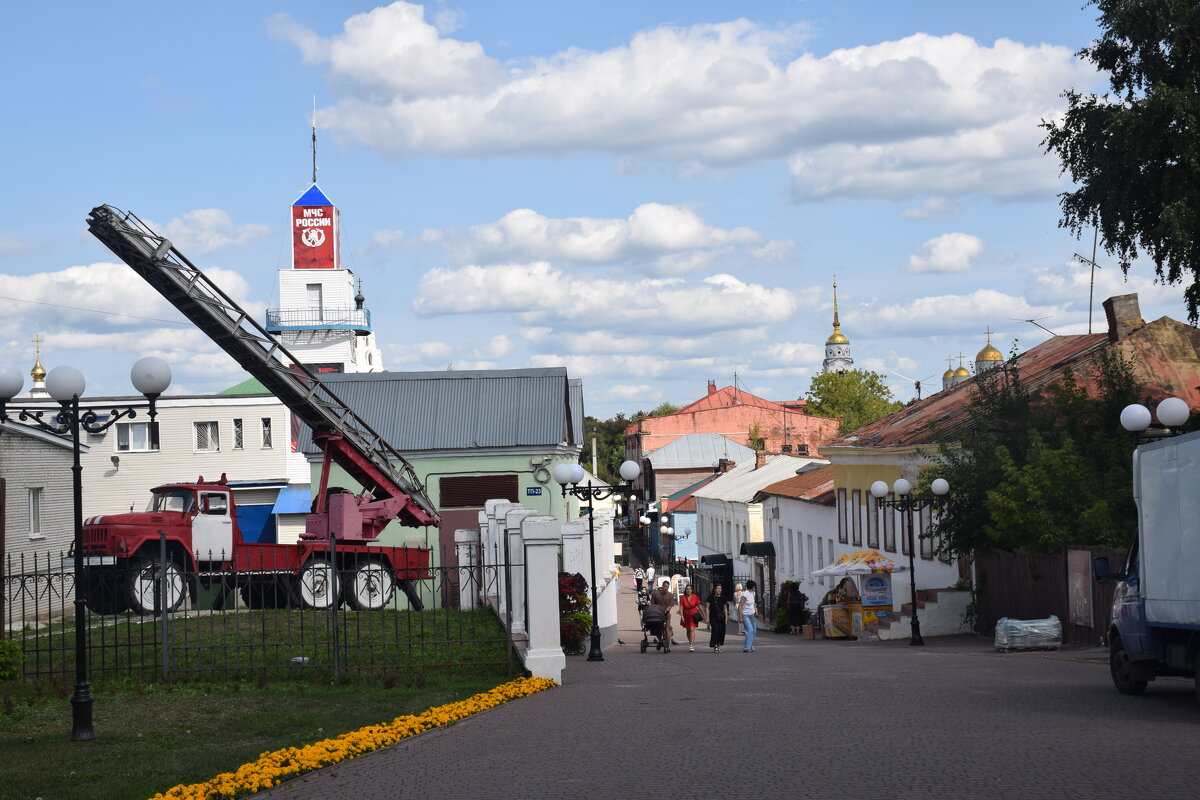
(267, 434)
(36, 495)
(151, 436)
(215, 436)
(239, 434)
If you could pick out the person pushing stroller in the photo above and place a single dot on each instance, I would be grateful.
(665, 599)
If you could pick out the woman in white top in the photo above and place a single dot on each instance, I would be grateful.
(746, 610)
(737, 599)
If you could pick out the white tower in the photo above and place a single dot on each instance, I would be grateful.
(837, 346)
(321, 319)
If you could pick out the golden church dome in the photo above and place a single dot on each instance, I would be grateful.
(38, 373)
(962, 372)
(948, 375)
(836, 337)
(989, 353)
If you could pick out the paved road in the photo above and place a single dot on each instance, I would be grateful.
(819, 719)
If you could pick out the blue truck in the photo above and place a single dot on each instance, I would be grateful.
(1154, 627)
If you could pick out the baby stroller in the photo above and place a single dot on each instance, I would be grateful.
(654, 626)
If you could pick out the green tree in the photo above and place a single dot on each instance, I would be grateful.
(1135, 154)
(857, 396)
(610, 440)
(1040, 470)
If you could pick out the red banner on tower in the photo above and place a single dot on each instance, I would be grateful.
(314, 237)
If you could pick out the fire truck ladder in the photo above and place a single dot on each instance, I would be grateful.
(259, 353)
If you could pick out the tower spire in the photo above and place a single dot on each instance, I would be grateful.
(837, 346)
(835, 314)
(314, 138)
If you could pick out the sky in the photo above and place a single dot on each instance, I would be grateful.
(653, 195)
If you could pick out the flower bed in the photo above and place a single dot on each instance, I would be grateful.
(273, 768)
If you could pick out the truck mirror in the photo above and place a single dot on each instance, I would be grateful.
(1101, 570)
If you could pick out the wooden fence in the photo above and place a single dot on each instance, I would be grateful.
(1021, 585)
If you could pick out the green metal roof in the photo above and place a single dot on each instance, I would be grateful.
(248, 386)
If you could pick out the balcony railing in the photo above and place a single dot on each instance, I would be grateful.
(344, 319)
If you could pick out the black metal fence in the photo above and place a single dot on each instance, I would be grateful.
(275, 622)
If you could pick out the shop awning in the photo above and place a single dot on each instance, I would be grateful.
(860, 562)
(758, 549)
(293, 500)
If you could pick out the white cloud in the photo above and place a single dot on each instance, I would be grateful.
(668, 239)
(950, 252)
(794, 353)
(496, 347)
(648, 396)
(924, 114)
(424, 353)
(539, 294)
(933, 207)
(945, 315)
(206, 230)
(10, 246)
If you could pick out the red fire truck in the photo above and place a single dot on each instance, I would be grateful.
(194, 524)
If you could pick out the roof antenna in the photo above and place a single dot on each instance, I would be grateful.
(1095, 266)
(314, 138)
(1034, 321)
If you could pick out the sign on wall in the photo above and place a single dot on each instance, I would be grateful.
(314, 237)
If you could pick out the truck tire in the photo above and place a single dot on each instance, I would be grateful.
(1118, 665)
(104, 592)
(370, 586)
(315, 585)
(143, 585)
(266, 593)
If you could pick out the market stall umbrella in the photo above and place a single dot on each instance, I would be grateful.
(860, 562)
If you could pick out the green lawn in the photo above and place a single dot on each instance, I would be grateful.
(151, 739)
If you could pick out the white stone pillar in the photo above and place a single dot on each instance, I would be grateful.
(466, 542)
(515, 572)
(544, 657)
(574, 550)
(606, 599)
(490, 553)
(511, 582)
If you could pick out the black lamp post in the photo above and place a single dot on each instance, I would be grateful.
(151, 376)
(907, 504)
(573, 474)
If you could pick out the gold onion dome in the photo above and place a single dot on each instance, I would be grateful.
(836, 337)
(38, 373)
(962, 372)
(989, 353)
(948, 374)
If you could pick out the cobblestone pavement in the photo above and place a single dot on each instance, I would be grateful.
(805, 719)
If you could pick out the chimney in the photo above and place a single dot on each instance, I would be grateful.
(712, 387)
(760, 459)
(1124, 316)
(724, 464)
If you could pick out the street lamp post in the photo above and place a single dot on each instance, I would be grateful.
(573, 474)
(1172, 413)
(150, 376)
(907, 504)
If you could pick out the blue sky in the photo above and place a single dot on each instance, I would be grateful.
(652, 194)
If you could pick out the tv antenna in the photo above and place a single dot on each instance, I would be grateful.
(1092, 284)
(916, 383)
(1034, 321)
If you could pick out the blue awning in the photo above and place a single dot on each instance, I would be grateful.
(293, 500)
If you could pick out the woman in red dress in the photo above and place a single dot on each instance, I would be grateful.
(689, 606)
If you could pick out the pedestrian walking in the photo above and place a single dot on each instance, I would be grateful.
(650, 578)
(746, 610)
(737, 604)
(795, 608)
(639, 577)
(689, 609)
(663, 598)
(717, 614)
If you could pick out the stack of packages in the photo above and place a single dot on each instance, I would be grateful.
(1028, 634)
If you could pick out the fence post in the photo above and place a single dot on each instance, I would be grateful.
(544, 658)
(336, 592)
(466, 542)
(162, 604)
(514, 590)
(492, 547)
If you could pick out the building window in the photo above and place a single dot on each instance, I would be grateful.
(266, 433)
(787, 448)
(137, 437)
(35, 512)
(237, 434)
(856, 508)
(208, 437)
(843, 519)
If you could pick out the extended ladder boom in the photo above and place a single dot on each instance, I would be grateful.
(259, 353)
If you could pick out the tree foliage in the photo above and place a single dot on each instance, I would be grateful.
(857, 396)
(1040, 470)
(1135, 154)
(610, 441)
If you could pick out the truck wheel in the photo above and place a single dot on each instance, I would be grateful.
(1119, 666)
(370, 586)
(143, 586)
(104, 594)
(270, 593)
(315, 584)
